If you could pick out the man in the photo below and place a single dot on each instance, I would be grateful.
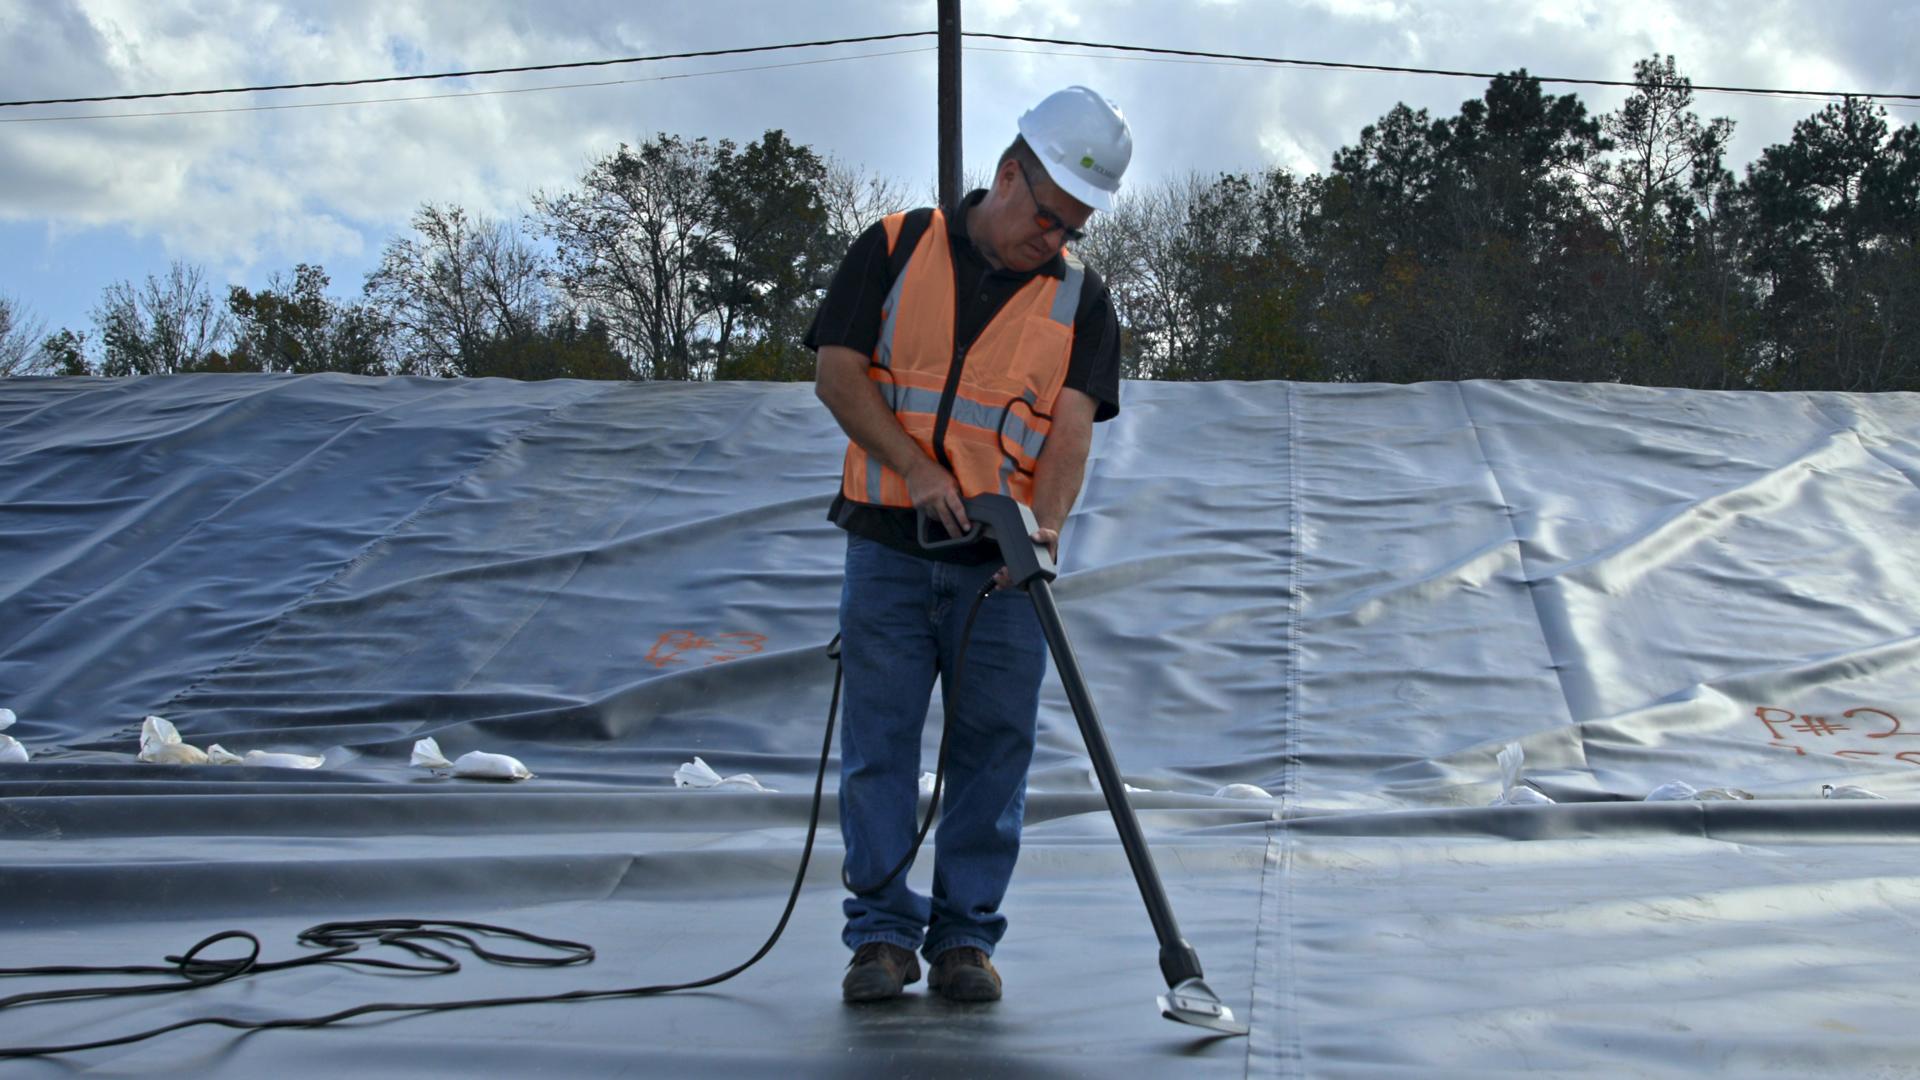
(963, 351)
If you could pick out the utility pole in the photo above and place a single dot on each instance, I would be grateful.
(949, 82)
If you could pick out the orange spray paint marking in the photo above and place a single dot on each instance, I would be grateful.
(1818, 725)
(675, 646)
(739, 644)
(1892, 719)
(1868, 723)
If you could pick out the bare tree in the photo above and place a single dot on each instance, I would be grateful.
(970, 180)
(20, 336)
(164, 326)
(631, 240)
(855, 199)
(1144, 249)
(1116, 246)
(457, 288)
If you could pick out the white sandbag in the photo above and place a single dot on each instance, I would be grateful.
(426, 754)
(480, 765)
(1847, 791)
(160, 744)
(473, 765)
(1093, 781)
(1242, 791)
(276, 759)
(11, 752)
(1512, 791)
(1681, 791)
(698, 774)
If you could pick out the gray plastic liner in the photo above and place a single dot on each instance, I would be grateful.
(1352, 597)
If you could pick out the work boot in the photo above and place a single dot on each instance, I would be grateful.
(878, 971)
(964, 974)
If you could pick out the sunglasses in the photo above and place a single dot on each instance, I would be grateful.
(1045, 218)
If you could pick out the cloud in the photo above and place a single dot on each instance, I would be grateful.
(254, 191)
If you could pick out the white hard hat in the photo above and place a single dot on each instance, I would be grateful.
(1083, 141)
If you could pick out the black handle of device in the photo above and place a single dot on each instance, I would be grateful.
(930, 544)
(1011, 524)
(1031, 567)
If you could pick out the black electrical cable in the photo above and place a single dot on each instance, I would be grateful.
(339, 940)
(675, 76)
(940, 762)
(1341, 65)
(1332, 65)
(467, 74)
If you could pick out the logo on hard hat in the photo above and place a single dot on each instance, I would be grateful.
(1087, 162)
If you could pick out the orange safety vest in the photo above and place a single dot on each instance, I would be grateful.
(989, 404)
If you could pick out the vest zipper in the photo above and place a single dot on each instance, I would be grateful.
(945, 411)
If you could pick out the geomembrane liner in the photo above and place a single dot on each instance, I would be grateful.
(1350, 596)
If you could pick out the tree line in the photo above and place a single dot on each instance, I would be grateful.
(678, 259)
(1521, 237)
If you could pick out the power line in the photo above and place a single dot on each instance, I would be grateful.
(1191, 54)
(1388, 68)
(468, 74)
(460, 94)
(655, 78)
(1202, 61)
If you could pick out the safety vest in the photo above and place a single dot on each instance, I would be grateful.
(982, 408)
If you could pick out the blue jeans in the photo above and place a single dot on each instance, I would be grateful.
(900, 624)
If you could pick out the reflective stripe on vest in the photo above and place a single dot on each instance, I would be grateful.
(1010, 376)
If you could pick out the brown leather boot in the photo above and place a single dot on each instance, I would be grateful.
(879, 971)
(964, 974)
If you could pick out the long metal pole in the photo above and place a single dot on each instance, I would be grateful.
(1188, 998)
(949, 92)
(1178, 961)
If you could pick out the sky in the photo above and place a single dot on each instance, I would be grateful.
(246, 194)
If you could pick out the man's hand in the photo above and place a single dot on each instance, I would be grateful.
(841, 383)
(1062, 464)
(1049, 537)
(936, 494)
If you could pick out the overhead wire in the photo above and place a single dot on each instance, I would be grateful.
(471, 73)
(1792, 95)
(462, 93)
(1162, 53)
(1344, 65)
(1203, 61)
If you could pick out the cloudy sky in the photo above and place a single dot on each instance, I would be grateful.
(84, 202)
